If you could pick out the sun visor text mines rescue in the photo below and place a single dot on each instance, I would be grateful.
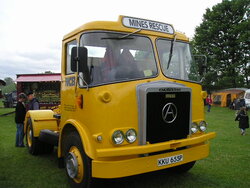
(147, 25)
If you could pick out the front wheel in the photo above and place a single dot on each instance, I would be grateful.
(77, 163)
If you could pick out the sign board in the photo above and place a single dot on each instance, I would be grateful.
(147, 25)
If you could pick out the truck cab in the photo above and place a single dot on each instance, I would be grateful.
(131, 103)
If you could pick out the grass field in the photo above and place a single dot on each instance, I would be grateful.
(227, 166)
(4, 110)
(1, 103)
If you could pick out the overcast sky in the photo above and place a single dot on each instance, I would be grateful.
(31, 31)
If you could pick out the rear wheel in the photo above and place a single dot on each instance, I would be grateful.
(35, 146)
(77, 163)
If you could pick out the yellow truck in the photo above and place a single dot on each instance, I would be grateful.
(131, 103)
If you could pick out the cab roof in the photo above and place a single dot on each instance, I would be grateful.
(147, 27)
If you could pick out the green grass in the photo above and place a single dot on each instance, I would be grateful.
(6, 110)
(18, 169)
(227, 165)
(1, 103)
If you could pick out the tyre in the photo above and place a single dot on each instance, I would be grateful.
(77, 163)
(36, 147)
(182, 168)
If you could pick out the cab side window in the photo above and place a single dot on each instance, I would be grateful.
(69, 46)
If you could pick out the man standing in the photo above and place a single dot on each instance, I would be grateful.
(33, 102)
(19, 119)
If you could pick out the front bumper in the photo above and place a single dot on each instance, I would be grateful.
(197, 148)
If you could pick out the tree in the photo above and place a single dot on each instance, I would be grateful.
(10, 86)
(8, 81)
(223, 36)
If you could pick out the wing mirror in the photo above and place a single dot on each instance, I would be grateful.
(79, 62)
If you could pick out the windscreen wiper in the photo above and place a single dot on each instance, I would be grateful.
(123, 37)
(115, 38)
(171, 51)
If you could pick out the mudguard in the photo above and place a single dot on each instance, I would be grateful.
(87, 142)
(41, 119)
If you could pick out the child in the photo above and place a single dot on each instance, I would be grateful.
(242, 117)
(209, 103)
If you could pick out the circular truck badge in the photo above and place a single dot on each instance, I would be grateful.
(169, 112)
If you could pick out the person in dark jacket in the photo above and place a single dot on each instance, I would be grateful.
(33, 102)
(20, 113)
(243, 119)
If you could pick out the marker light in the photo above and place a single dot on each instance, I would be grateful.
(99, 138)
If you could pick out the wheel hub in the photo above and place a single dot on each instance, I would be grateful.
(72, 165)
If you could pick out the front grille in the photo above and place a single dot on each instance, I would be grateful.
(161, 127)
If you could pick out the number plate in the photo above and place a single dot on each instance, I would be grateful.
(170, 160)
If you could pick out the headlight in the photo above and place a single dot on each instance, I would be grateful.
(203, 126)
(194, 128)
(131, 135)
(118, 137)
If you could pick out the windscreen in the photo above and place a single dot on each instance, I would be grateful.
(177, 64)
(116, 57)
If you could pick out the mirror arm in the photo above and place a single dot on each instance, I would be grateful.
(77, 73)
(87, 85)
